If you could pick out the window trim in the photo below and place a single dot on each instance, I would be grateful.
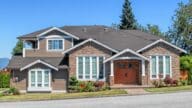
(36, 88)
(91, 73)
(47, 44)
(157, 66)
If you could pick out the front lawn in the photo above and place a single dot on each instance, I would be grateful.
(168, 89)
(52, 96)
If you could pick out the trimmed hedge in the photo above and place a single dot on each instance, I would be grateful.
(4, 80)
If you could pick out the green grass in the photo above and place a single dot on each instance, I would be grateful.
(52, 96)
(168, 89)
(3, 89)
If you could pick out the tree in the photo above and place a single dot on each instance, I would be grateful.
(18, 48)
(180, 33)
(127, 18)
(154, 29)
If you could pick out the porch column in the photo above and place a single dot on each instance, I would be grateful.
(143, 67)
(112, 68)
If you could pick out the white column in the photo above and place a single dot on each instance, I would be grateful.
(112, 68)
(143, 67)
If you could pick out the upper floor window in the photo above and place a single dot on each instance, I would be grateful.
(55, 44)
(160, 66)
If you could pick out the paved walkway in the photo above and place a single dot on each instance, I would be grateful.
(136, 91)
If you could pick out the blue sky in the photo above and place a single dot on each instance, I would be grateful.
(18, 17)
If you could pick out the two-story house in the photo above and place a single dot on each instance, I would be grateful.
(91, 53)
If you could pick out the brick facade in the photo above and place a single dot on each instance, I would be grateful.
(162, 49)
(88, 49)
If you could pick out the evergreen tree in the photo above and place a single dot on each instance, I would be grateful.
(127, 18)
(18, 48)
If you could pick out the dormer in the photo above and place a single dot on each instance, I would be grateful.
(49, 42)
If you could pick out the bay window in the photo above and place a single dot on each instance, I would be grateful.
(90, 67)
(160, 66)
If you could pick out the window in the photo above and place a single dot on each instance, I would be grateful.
(90, 67)
(160, 66)
(55, 45)
(39, 78)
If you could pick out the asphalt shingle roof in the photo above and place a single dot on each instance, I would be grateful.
(18, 62)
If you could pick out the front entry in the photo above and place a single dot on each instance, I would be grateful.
(126, 71)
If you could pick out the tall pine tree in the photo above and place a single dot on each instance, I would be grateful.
(127, 18)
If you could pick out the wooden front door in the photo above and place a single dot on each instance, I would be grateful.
(126, 71)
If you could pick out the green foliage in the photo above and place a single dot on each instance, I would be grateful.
(158, 83)
(13, 91)
(186, 62)
(4, 80)
(73, 81)
(86, 86)
(18, 48)
(181, 30)
(127, 18)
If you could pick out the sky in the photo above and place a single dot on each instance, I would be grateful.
(19, 17)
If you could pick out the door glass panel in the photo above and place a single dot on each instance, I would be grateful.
(80, 67)
(94, 67)
(46, 79)
(167, 63)
(87, 67)
(161, 66)
(154, 73)
(32, 78)
(39, 78)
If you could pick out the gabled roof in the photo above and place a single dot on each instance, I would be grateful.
(18, 62)
(124, 51)
(89, 40)
(45, 31)
(163, 41)
(115, 39)
(41, 62)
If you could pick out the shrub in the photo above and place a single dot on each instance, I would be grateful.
(158, 83)
(73, 81)
(85, 86)
(13, 91)
(4, 80)
(168, 81)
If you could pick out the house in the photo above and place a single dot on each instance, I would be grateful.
(91, 53)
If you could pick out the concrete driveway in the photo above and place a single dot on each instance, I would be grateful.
(172, 100)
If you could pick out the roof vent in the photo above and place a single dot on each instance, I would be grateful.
(84, 29)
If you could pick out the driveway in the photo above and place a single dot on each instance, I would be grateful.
(172, 100)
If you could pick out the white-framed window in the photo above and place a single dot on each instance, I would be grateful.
(39, 78)
(55, 44)
(90, 68)
(160, 66)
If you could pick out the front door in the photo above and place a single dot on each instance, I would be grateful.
(126, 71)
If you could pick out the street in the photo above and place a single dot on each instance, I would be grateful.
(172, 100)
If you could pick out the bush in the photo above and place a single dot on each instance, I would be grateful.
(158, 83)
(85, 86)
(73, 81)
(13, 91)
(4, 80)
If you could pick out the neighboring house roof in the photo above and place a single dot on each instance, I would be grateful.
(116, 39)
(18, 62)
